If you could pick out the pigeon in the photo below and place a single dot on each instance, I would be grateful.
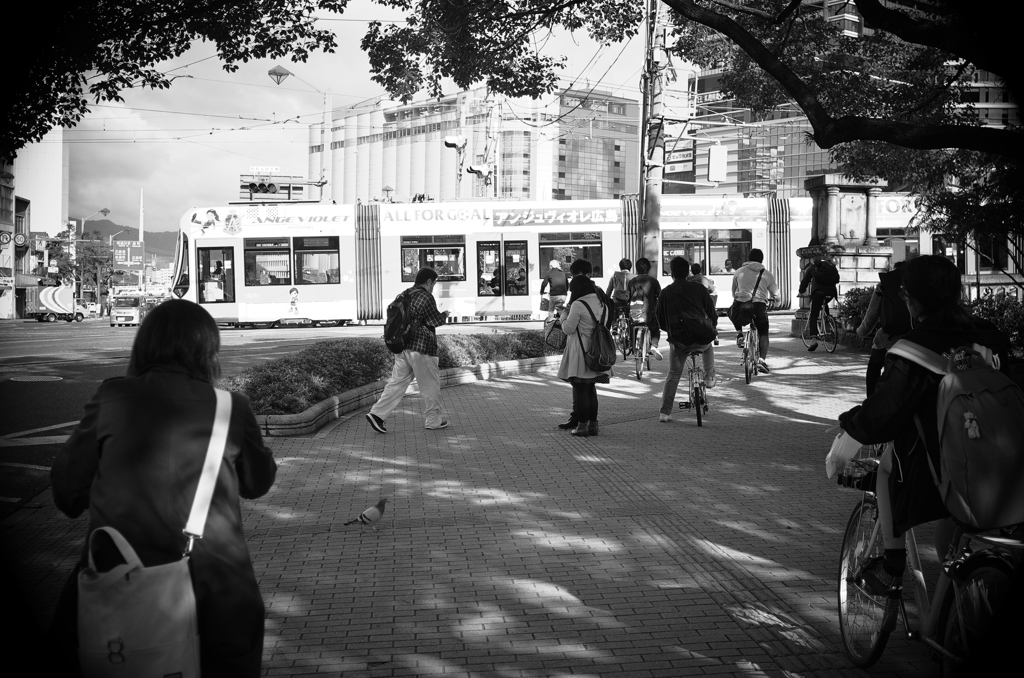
(370, 515)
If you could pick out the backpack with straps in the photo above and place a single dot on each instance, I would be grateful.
(826, 273)
(398, 325)
(619, 282)
(601, 355)
(981, 435)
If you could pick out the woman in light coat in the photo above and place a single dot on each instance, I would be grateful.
(578, 326)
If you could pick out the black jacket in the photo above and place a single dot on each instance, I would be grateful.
(906, 389)
(683, 303)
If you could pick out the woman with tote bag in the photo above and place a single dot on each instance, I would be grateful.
(134, 462)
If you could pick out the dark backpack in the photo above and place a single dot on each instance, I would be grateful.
(895, 316)
(826, 273)
(398, 325)
(601, 354)
(619, 282)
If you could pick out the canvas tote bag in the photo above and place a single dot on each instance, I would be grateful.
(140, 622)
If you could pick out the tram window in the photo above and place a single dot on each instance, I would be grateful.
(689, 245)
(732, 245)
(446, 254)
(567, 248)
(316, 260)
(516, 267)
(488, 265)
(181, 267)
(266, 261)
(216, 269)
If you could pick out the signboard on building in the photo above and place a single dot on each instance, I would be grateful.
(129, 254)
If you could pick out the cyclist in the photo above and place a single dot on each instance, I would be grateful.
(617, 285)
(821, 276)
(743, 282)
(697, 275)
(643, 291)
(559, 284)
(687, 313)
(905, 391)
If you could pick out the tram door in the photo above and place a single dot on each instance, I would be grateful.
(216, 277)
(503, 276)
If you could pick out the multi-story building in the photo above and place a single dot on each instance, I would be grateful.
(576, 143)
(33, 195)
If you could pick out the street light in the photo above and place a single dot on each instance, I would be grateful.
(279, 74)
(110, 245)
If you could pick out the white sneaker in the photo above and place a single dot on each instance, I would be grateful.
(663, 418)
(739, 340)
(711, 382)
(656, 353)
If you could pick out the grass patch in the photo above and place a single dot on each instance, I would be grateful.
(329, 368)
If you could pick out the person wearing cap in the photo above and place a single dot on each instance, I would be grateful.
(558, 283)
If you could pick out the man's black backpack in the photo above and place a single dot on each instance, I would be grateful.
(826, 273)
(398, 325)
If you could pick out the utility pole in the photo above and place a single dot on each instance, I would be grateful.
(652, 142)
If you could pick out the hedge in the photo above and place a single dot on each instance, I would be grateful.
(327, 368)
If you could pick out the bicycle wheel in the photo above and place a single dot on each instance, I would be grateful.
(641, 349)
(985, 584)
(830, 333)
(624, 340)
(696, 392)
(862, 616)
(805, 333)
(748, 369)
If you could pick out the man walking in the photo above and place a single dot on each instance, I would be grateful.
(686, 312)
(418, 360)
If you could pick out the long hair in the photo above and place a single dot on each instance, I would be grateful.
(177, 333)
(934, 282)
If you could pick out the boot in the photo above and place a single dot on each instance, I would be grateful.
(569, 424)
(592, 427)
(581, 430)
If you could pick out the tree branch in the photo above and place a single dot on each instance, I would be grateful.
(830, 131)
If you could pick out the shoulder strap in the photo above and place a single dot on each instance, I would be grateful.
(756, 285)
(211, 467)
(587, 306)
(915, 353)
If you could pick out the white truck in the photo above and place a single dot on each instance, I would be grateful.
(55, 303)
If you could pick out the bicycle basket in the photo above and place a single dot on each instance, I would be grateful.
(861, 472)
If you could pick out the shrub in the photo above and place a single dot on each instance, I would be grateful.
(854, 306)
(328, 368)
(1007, 314)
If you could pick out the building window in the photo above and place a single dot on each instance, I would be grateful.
(316, 260)
(561, 158)
(266, 261)
(217, 275)
(617, 164)
(446, 254)
(561, 175)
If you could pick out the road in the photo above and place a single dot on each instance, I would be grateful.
(48, 371)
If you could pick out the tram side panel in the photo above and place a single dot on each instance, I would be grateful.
(492, 258)
(264, 264)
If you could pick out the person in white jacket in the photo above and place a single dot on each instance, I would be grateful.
(744, 282)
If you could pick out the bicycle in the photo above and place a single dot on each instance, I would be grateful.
(827, 328)
(698, 388)
(622, 331)
(751, 352)
(641, 348)
(971, 585)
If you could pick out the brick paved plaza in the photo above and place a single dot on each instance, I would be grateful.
(510, 548)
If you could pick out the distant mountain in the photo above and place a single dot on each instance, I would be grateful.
(160, 243)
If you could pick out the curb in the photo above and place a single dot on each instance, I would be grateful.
(326, 411)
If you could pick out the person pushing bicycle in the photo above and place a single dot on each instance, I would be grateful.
(753, 282)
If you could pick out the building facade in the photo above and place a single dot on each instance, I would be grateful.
(33, 197)
(571, 144)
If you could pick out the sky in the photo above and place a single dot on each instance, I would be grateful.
(186, 146)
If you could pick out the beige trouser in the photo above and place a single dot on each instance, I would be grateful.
(411, 365)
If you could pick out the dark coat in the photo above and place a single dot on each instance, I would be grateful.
(906, 389)
(685, 303)
(134, 462)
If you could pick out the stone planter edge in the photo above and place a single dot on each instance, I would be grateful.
(326, 411)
